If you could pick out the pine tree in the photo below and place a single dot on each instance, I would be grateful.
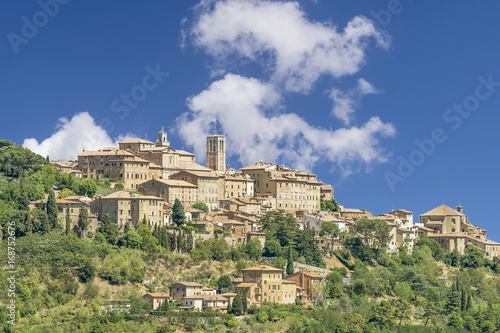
(68, 221)
(45, 223)
(178, 216)
(52, 210)
(289, 261)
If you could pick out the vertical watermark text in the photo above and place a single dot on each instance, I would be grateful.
(11, 273)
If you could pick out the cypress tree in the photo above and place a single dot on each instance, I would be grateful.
(45, 223)
(24, 201)
(244, 304)
(469, 302)
(463, 301)
(453, 302)
(190, 241)
(178, 216)
(52, 210)
(83, 221)
(165, 238)
(68, 221)
(229, 308)
(237, 305)
(156, 232)
(126, 228)
(174, 242)
(289, 261)
(179, 242)
(110, 230)
(29, 224)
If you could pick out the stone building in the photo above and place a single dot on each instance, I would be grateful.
(355, 214)
(288, 292)
(306, 281)
(451, 228)
(260, 236)
(135, 145)
(262, 283)
(216, 153)
(250, 205)
(73, 207)
(238, 186)
(314, 221)
(180, 290)
(125, 207)
(70, 167)
(210, 186)
(326, 193)
(169, 159)
(171, 189)
(117, 163)
(294, 190)
(156, 300)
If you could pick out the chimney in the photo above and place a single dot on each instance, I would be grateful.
(460, 209)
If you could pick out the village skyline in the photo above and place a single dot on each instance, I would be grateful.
(389, 118)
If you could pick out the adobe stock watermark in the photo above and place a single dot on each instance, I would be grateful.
(454, 117)
(149, 82)
(11, 273)
(30, 27)
(384, 16)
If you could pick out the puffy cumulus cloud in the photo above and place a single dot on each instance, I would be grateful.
(345, 102)
(244, 110)
(278, 35)
(72, 136)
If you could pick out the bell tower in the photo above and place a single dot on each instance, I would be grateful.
(216, 153)
(162, 139)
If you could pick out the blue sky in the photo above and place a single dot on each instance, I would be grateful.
(340, 88)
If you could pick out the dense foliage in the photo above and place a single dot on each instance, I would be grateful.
(61, 275)
(282, 231)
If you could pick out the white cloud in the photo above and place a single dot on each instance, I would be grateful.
(294, 52)
(243, 109)
(345, 102)
(72, 137)
(300, 50)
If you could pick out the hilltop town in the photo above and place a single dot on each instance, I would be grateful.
(143, 238)
(221, 203)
